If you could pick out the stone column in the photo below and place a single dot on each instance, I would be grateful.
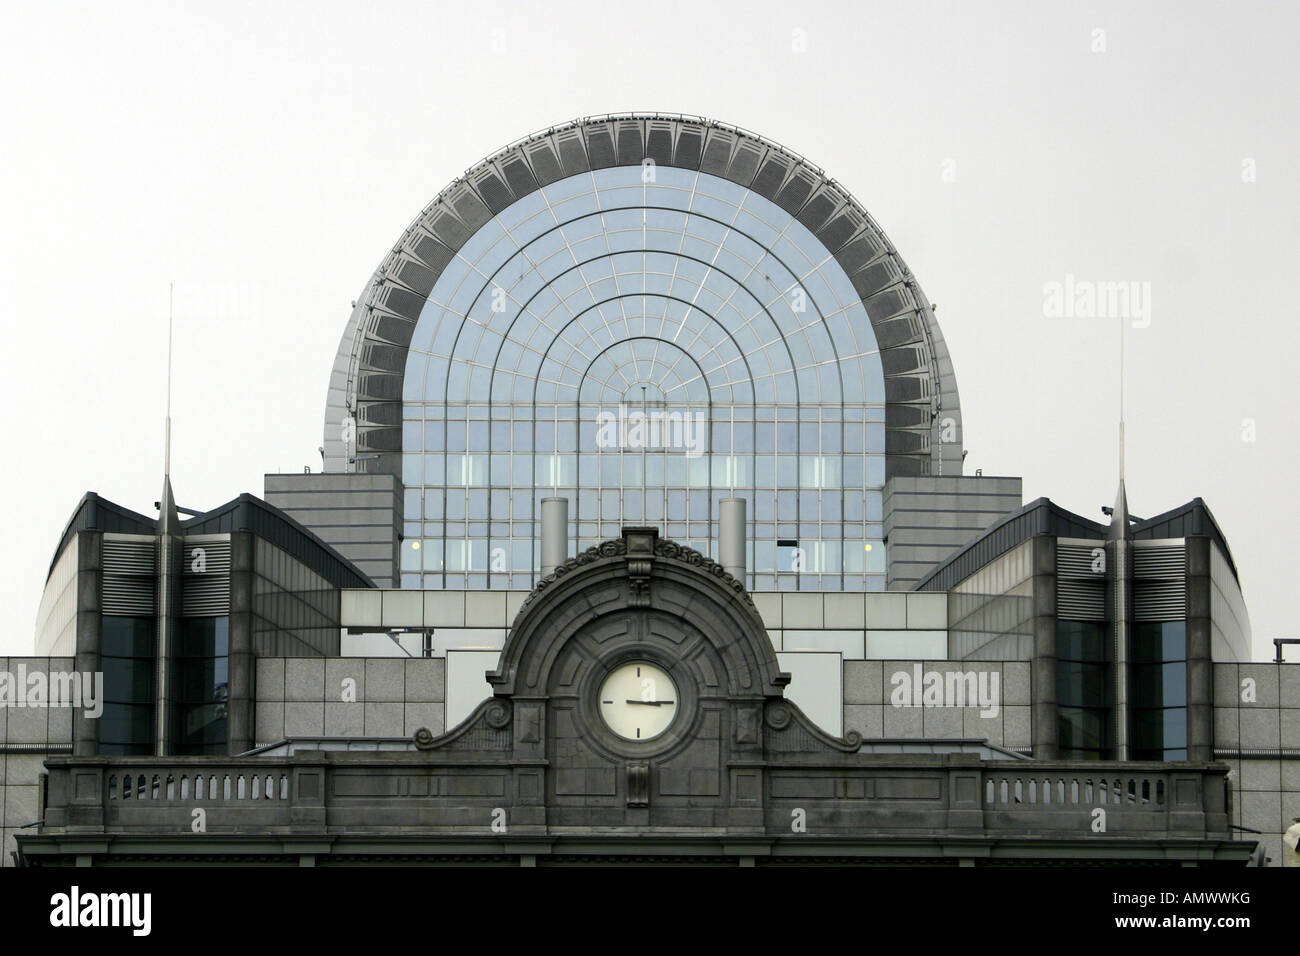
(1200, 665)
(90, 623)
(239, 712)
(1042, 670)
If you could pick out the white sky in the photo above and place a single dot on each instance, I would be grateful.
(264, 156)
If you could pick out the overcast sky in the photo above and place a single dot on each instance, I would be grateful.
(264, 157)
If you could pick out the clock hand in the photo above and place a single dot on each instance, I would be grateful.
(650, 703)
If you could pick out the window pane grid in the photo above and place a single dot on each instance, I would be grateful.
(578, 300)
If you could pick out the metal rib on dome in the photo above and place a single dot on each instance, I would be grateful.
(366, 386)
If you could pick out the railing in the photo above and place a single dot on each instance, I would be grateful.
(1106, 799)
(188, 786)
(1022, 790)
(321, 793)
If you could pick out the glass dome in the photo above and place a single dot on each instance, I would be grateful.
(645, 332)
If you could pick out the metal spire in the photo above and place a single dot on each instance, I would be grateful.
(168, 518)
(169, 558)
(1121, 402)
(167, 440)
(1119, 535)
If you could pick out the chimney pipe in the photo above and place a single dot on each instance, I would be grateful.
(555, 533)
(731, 536)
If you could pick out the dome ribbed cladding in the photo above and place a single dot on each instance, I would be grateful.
(920, 387)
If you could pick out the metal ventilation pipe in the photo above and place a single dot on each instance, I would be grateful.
(555, 533)
(731, 536)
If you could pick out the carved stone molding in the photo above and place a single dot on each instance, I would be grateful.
(790, 731)
(640, 561)
(606, 549)
(487, 728)
(638, 785)
(640, 578)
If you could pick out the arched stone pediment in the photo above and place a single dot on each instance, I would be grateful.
(671, 593)
(638, 686)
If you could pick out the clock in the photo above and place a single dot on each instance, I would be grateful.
(638, 700)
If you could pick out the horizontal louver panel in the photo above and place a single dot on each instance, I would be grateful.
(205, 579)
(1080, 600)
(130, 578)
(1080, 591)
(130, 557)
(1076, 562)
(1159, 584)
(1159, 601)
(1168, 563)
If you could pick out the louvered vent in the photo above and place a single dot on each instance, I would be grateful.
(1159, 584)
(1080, 591)
(130, 577)
(1163, 562)
(205, 579)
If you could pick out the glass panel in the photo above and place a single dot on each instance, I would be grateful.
(200, 678)
(743, 321)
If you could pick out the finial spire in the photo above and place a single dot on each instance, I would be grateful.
(168, 517)
(1119, 514)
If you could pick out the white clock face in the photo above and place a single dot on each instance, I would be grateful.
(638, 700)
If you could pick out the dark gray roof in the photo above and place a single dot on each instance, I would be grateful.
(245, 513)
(94, 513)
(1193, 518)
(250, 513)
(1042, 516)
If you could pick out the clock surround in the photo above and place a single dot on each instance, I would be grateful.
(642, 642)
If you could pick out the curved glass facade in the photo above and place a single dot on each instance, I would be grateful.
(644, 342)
